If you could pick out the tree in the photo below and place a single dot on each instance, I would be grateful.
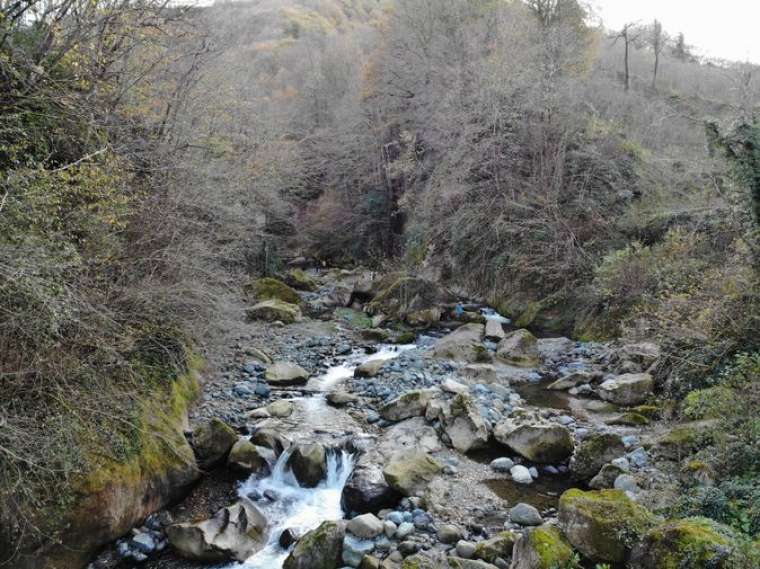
(630, 34)
(658, 41)
(681, 50)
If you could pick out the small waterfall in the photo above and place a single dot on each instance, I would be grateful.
(296, 508)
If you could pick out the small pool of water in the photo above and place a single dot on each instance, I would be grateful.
(543, 494)
(536, 394)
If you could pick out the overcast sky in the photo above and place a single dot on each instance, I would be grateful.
(717, 28)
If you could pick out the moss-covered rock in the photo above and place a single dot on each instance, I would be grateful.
(685, 438)
(499, 545)
(419, 562)
(424, 318)
(273, 289)
(245, 457)
(212, 442)
(696, 543)
(603, 525)
(520, 348)
(309, 464)
(629, 419)
(319, 549)
(398, 296)
(464, 344)
(542, 548)
(353, 318)
(596, 450)
(410, 473)
(275, 310)
(407, 337)
(298, 279)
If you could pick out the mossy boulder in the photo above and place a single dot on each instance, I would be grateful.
(629, 419)
(410, 473)
(309, 464)
(286, 373)
(465, 344)
(596, 450)
(542, 548)
(685, 438)
(499, 545)
(273, 289)
(542, 442)
(352, 318)
(247, 458)
(275, 310)
(374, 334)
(212, 442)
(398, 296)
(318, 549)
(424, 318)
(419, 562)
(696, 543)
(410, 404)
(520, 348)
(300, 280)
(603, 524)
(370, 368)
(407, 337)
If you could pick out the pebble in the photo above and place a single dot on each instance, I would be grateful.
(404, 529)
(465, 549)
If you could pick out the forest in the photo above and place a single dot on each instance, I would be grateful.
(182, 181)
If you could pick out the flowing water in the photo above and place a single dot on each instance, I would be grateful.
(303, 509)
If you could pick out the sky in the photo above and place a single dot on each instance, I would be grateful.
(725, 29)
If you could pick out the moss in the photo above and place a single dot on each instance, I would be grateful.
(528, 315)
(482, 355)
(552, 548)
(500, 545)
(298, 279)
(273, 289)
(648, 411)
(696, 543)
(711, 403)
(273, 310)
(353, 318)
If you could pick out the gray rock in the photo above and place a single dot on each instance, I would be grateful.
(502, 464)
(525, 515)
(465, 549)
(520, 474)
(449, 533)
(365, 526)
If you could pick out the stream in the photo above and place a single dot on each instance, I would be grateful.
(303, 509)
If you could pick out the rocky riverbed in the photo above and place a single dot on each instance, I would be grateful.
(375, 422)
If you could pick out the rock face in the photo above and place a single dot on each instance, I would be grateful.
(542, 548)
(465, 344)
(520, 348)
(628, 389)
(692, 542)
(284, 373)
(545, 443)
(318, 549)
(212, 442)
(595, 451)
(410, 404)
(245, 457)
(465, 426)
(309, 464)
(494, 331)
(234, 533)
(275, 310)
(410, 473)
(603, 525)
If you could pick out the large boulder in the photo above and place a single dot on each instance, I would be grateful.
(273, 289)
(628, 389)
(520, 348)
(410, 473)
(697, 543)
(410, 404)
(409, 435)
(271, 439)
(367, 490)
(299, 279)
(465, 344)
(275, 310)
(234, 533)
(248, 458)
(603, 524)
(318, 549)
(212, 442)
(309, 464)
(542, 548)
(285, 373)
(545, 443)
(465, 426)
(495, 331)
(596, 450)
(398, 296)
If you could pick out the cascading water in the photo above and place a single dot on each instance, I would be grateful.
(303, 509)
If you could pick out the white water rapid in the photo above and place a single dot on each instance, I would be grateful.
(303, 509)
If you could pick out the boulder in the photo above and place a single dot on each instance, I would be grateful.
(410, 404)
(628, 389)
(525, 515)
(410, 435)
(275, 310)
(284, 373)
(571, 380)
(212, 442)
(341, 398)
(234, 533)
(280, 409)
(370, 368)
(519, 348)
(545, 443)
(339, 295)
(542, 548)
(246, 457)
(596, 450)
(374, 334)
(499, 546)
(424, 318)
(495, 331)
(410, 473)
(318, 549)
(520, 474)
(273, 289)
(465, 426)
(603, 524)
(464, 344)
(606, 477)
(367, 490)
(299, 279)
(553, 349)
(365, 526)
(309, 464)
(697, 543)
(271, 439)
(399, 295)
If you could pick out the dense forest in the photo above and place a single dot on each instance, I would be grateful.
(155, 158)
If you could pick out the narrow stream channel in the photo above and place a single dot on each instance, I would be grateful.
(303, 509)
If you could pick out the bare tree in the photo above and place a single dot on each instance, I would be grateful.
(658, 41)
(630, 34)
